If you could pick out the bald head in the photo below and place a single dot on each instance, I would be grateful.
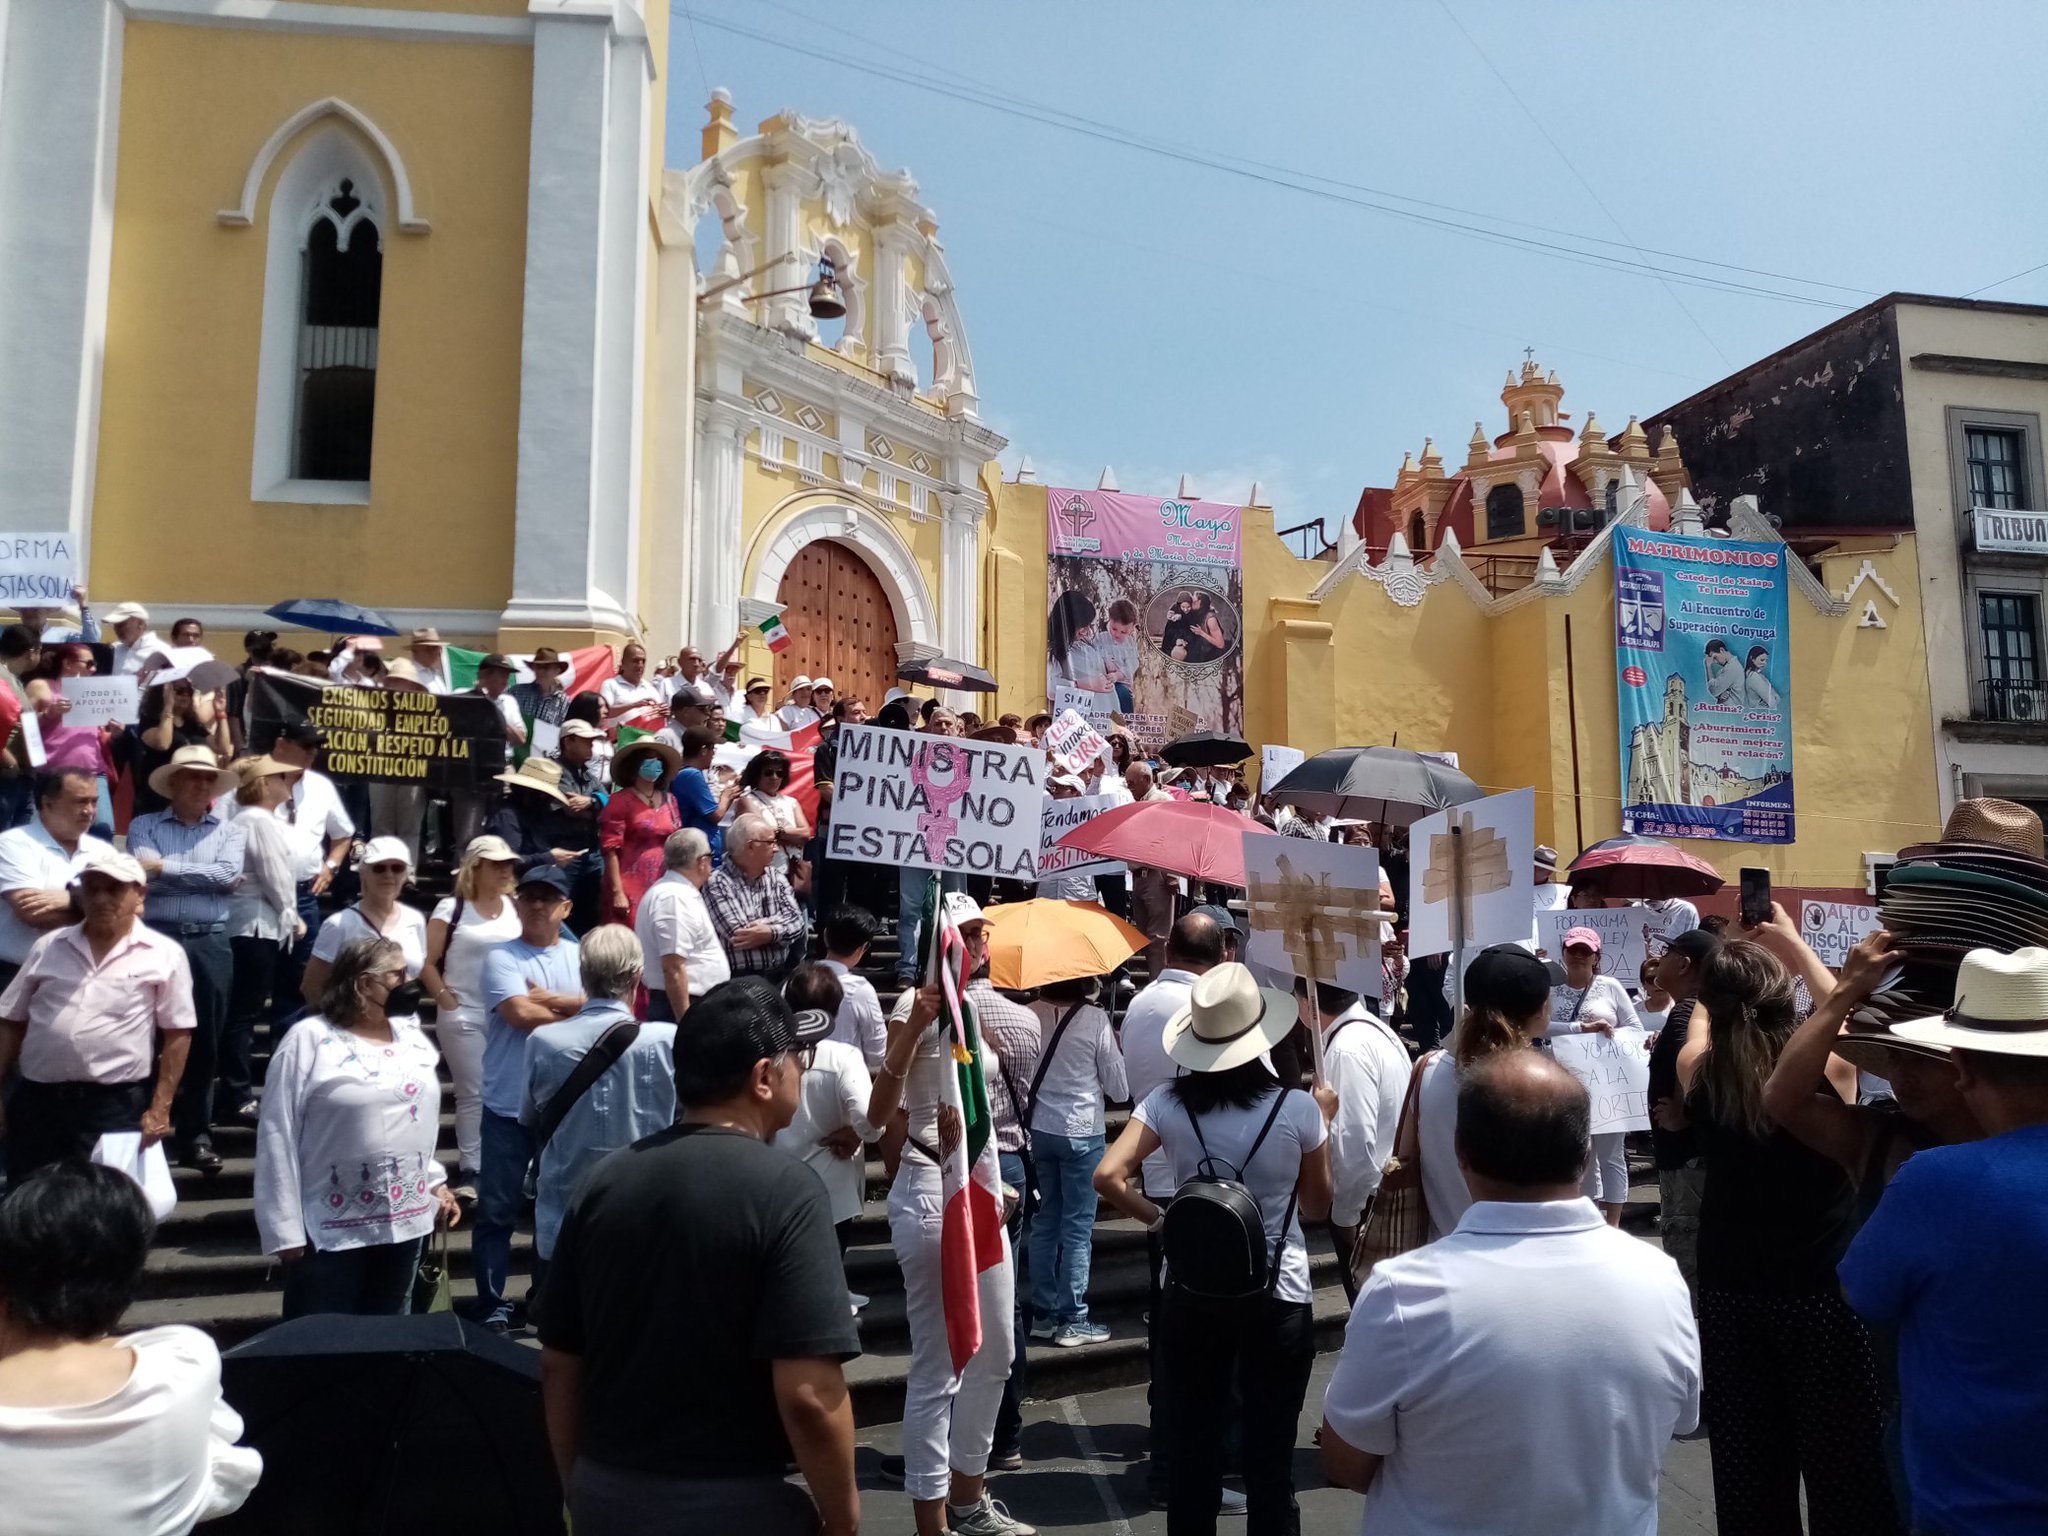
(1138, 779)
(1195, 944)
(1524, 1127)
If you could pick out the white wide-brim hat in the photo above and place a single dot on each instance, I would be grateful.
(1229, 1020)
(2001, 1006)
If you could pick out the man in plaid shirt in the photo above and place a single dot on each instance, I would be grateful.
(752, 907)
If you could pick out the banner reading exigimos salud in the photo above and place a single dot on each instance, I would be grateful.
(1704, 678)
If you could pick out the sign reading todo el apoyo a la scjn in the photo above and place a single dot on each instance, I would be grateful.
(936, 802)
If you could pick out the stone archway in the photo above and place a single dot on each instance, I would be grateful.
(840, 621)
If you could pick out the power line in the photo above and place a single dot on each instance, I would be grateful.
(1201, 160)
(691, 22)
(2004, 280)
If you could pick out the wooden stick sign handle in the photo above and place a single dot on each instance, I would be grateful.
(1314, 951)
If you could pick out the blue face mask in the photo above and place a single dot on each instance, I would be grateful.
(650, 769)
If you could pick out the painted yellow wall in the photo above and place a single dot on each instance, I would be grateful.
(1446, 675)
(178, 411)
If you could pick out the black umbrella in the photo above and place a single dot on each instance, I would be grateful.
(330, 615)
(1389, 785)
(393, 1426)
(1204, 749)
(943, 672)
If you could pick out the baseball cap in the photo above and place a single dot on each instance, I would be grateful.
(687, 697)
(121, 613)
(1508, 977)
(1582, 938)
(545, 873)
(821, 682)
(582, 728)
(1220, 915)
(490, 849)
(745, 1020)
(116, 865)
(386, 850)
(962, 909)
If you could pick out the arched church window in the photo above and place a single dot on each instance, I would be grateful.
(340, 285)
(1417, 534)
(1504, 518)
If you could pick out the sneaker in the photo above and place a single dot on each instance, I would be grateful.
(498, 1320)
(891, 1471)
(988, 1518)
(1075, 1334)
(1233, 1503)
(856, 1299)
(1045, 1330)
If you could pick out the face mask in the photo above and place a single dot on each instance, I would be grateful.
(404, 999)
(650, 769)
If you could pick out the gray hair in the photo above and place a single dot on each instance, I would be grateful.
(751, 823)
(683, 849)
(612, 961)
(341, 1000)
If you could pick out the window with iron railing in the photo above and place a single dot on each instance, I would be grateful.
(2011, 628)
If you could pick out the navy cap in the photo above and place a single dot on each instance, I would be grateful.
(545, 872)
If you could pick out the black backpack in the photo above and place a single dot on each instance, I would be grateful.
(1214, 1235)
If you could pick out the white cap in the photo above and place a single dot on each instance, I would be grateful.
(821, 682)
(121, 613)
(386, 850)
(962, 909)
(582, 728)
(894, 694)
(110, 861)
(1069, 781)
(802, 684)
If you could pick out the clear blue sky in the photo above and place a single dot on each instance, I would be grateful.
(1132, 309)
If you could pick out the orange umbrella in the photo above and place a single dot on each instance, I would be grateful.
(1035, 943)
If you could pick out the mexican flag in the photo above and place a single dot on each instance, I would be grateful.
(588, 668)
(797, 746)
(773, 632)
(970, 1179)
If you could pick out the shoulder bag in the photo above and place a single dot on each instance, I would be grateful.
(597, 1061)
(1397, 1219)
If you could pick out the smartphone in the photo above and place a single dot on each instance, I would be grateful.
(1756, 897)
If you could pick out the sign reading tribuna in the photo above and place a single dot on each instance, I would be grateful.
(441, 742)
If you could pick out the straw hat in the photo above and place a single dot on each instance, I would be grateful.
(403, 672)
(184, 758)
(2001, 1006)
(1996, 824)
(248, 770)
(1229, 1020)
(537, 773)
(626, 761)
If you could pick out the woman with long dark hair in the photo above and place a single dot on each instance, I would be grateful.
(1228, 1116)
(1071, 658)
(1791, 1380)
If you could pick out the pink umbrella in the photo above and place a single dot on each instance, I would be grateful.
(1188, 837)
(1644, 869)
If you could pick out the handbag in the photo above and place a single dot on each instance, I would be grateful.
(1397, 1220)
(430, 1292)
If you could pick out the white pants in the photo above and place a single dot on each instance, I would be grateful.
(1607, 1169)
(949, 1422)
(460, 1032)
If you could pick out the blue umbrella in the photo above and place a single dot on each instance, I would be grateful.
(331, 615)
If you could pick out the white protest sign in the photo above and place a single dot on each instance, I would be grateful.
(1832, 928)
(1275, 763)
(37, 569)
(32, 739)
(1061, 817)
(936, 802)
(547, 738)
(1622, 945)
(1616, 1072)
(1495, 839)
(1313, 910)
(96, 700)
(1073, 743)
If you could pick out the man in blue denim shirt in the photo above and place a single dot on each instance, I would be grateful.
(634, 1097)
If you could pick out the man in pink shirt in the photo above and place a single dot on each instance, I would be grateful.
(83, 1020)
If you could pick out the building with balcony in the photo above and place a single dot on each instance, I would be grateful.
(1913, 415)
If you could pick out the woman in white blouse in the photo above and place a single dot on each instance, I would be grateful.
(125, 1435)
(377, 914)
(263, 919)
(464, 928)
(1079, 1065)
(764, 787)
(347, 1185)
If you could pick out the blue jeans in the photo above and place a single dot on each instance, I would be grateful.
(1063, 1234)
(368, 1282)
(1009, 1419)
(910, 889)
(500, 1190)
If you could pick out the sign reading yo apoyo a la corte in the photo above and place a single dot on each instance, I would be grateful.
(936, 802)
(442, 742)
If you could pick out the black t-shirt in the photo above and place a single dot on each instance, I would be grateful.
(688, 1262)
(1674, 1149)
(1774, 1214)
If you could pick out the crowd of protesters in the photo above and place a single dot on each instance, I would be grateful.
(649, 992)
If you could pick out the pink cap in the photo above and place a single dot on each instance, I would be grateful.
(1582, 938)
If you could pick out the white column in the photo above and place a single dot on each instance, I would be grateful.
(572, 497)
(786, 184)
(715, 572)
(892, 322)
(622, 337)
(60, 102)
(959, 577)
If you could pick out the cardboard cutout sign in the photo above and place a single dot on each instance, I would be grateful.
(1473, 885)
(1061, 817)
(1313, 910)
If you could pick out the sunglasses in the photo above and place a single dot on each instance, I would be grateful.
(384, 869)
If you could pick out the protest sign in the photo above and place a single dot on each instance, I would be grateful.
(37, 569)
(441, 742)
(1616, 1072)
(1624, 937)
(1275, 763)
(1832, 928)
(32, 739)
(935, 802)
(1061, 817)
(1073, 742)
(97, 700)
(1473, 886)
(1701, 662)
(1313, 911)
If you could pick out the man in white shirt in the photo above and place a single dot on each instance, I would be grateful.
(847, 932)
(1524, 1373)
(684, 958)
(322, 833)
(430, 659)
(1366, 1065)
(1668, 919)
(136, 645)
(40, 859)
(796, 711)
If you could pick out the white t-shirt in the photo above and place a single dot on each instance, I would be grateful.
(31, 860)
(1436, 1126)
(462, 963)
(408, 931)
(794, 717)
(316, 817)
(859, 1021)
(1273, 1174)
(150, 1459)
(673, 920)
(649, 693)
(1368, 1068)
(1523, 1377)
(834, 1095)
(1085, 1068)
(1146, 1064)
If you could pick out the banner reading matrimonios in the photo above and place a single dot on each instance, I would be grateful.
(1146, 612)
(1704, 678)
